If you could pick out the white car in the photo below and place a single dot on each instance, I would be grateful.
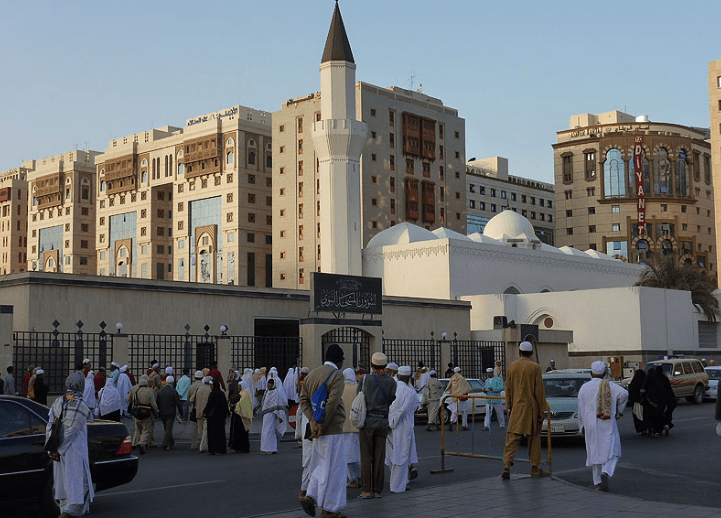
(714, 374)
(477, 388)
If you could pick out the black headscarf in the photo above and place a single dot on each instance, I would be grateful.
(634, 388)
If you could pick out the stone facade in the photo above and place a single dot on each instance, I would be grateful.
(714, 92)
(596, 194)
(13, 220)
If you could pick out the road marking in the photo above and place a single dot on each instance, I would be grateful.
(157, 488)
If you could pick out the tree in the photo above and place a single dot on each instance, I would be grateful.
(665, 273)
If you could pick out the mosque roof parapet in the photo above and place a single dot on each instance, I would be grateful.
(447, 233)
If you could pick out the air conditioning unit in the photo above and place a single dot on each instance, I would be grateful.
(499, 322)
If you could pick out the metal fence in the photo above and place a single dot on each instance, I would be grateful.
(252, 352)
(475, 356)
(59, 353)
(410, 352)
(181, 351)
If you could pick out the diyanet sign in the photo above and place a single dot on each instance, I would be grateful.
(640, 194)
(346, 294)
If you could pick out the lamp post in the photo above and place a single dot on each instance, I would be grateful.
(223, 329)
(455, 348)
(119, 327)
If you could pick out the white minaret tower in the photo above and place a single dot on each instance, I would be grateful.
(339, 141)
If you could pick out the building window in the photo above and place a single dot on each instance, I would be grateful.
(616, 227)
(567, 168)
(493, 193)
(392, 140)
(568, 194)
(472, 204)
(592, 229)
(590, 165)
(569, 231)
(569, 213)
(590, 191)
(503, 195)
(391, 118)
(392, 163)
(251, 217)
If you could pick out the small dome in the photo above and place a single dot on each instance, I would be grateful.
(599, 255)
(572, 251)
(446, 233)
(510, 225)
(401, 234)
(549, 248)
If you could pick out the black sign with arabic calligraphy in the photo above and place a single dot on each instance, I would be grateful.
(346, 294)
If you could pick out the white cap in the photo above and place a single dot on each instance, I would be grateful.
(431, 372)
(305, 369)
(115, 364)
(168, 370)
(598, 368)
(404, 371)
(155, 365)
(456, 369)
(124, 368)
(86, 360)
(40, 371)
(392, 366)
(526, 347)
(169, 379)
(489, 369)
(199, 375)
(207, 379)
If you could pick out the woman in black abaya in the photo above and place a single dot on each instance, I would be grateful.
(215, 412)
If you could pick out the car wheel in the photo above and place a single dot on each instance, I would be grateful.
(698, 393)
(48, 507)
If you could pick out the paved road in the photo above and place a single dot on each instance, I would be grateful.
(674, 469)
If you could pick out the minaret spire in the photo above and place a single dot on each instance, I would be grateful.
(337, 46)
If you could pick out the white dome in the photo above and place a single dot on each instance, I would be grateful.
(480, 238)
(599, 255)
(446, 233)
(572, 251)
(510, 225)
(401, 234)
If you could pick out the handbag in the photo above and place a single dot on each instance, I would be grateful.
(193, 416)
(358, 409)
(52, 443)
(141, 411)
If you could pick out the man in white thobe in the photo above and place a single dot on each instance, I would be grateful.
(124, 387)
(494, 387)
(401, 440)
(603, 443)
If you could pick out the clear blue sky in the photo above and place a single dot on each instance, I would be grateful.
(80, 73)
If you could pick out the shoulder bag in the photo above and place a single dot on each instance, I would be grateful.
(319, 400)
(52, 443)
(358, 408)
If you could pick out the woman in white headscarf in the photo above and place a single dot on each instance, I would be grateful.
(278, 382)
(124, 386)
(274, 420)
(89, 391)
(350, 433)
(109, 401)
(73, 487)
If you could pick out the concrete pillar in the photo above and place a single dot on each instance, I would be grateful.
(446, 356)
(6, 340)
(225, 362)
(121, 347)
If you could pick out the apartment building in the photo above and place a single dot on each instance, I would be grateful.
(714, 92)
(61, 220)
(13, 220)
(191, 203)
(599, 202)
(412, 169)
(490, 190)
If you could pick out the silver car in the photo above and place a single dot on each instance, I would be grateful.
(562, 396)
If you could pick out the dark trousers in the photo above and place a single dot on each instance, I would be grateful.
(168, 441)
(373, 457)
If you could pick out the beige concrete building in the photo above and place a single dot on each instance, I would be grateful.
(714, 93)
(61, 220)
(189, 204)
(13, 220)
(596, 193)
(490, 189)
(412, 169)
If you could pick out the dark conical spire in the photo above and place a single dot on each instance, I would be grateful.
(337, 47)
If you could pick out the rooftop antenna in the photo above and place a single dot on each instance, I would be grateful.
(412, 78)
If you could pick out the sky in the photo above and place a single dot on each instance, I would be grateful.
(77, 74)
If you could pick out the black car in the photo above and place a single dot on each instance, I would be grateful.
(26, 470)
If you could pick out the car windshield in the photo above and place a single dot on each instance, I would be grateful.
(476, 385)
(666, 367)
(714, 373)
(563, 387)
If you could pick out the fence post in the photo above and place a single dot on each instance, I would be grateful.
(79, 346)
(6, 340)
(225, 362)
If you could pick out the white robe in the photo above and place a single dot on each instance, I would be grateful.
(108, 398)
(124, 387)
(300, 424)
(328, 473)
(89, 393)
(401, 439)
(72, 473)
(274, 420)
(291, 392)
(603, 442)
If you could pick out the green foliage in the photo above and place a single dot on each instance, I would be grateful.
(665, 273)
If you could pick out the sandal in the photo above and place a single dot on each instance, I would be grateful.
(308, 505)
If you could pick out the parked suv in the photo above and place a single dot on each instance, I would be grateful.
(687, 375)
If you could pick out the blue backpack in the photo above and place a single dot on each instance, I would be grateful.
(319, 399)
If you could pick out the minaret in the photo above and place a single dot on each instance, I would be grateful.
(339, 141)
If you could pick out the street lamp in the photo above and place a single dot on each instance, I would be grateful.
(119, 327)
(223, 329)
(444, 335)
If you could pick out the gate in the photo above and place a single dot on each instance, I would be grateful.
(254, 352)
(359, 340)
(59, 353)
(410, 352)
(181, 351)
(474, 356)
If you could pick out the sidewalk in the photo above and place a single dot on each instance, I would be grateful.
(521, 496)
